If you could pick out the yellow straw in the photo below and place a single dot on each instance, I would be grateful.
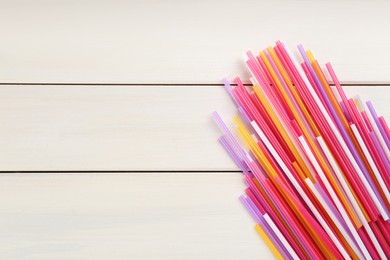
(268, 242)
(255, 149)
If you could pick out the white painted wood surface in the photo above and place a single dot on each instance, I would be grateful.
(126, 216)
(70, 128)
(164, 128)
(169, 41)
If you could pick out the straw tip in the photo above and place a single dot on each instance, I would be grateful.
(242, 197)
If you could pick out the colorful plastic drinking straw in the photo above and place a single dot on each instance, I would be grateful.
(316, 163)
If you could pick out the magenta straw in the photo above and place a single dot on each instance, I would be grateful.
(376, 119)
(230, 90)
(340, 91)
(345, 111)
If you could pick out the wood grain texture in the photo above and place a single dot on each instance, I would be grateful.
(62, 128)
(115, 41)
(129, 216)
(122, 128)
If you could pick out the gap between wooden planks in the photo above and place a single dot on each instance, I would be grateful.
(121, 128)
(138, 215)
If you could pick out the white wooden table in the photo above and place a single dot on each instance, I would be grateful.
(107, 147)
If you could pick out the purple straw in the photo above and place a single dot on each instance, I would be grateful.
(245, 115)
(380, 151)
(229, 89)
(378, 123)
(230, 137)
(251, 207)
(232, 154)
(257, 217)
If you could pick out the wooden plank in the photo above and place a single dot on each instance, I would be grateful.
(53, 128)
(126, 216)
(114, 41)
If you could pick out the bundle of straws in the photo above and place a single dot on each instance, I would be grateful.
(315, 162)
